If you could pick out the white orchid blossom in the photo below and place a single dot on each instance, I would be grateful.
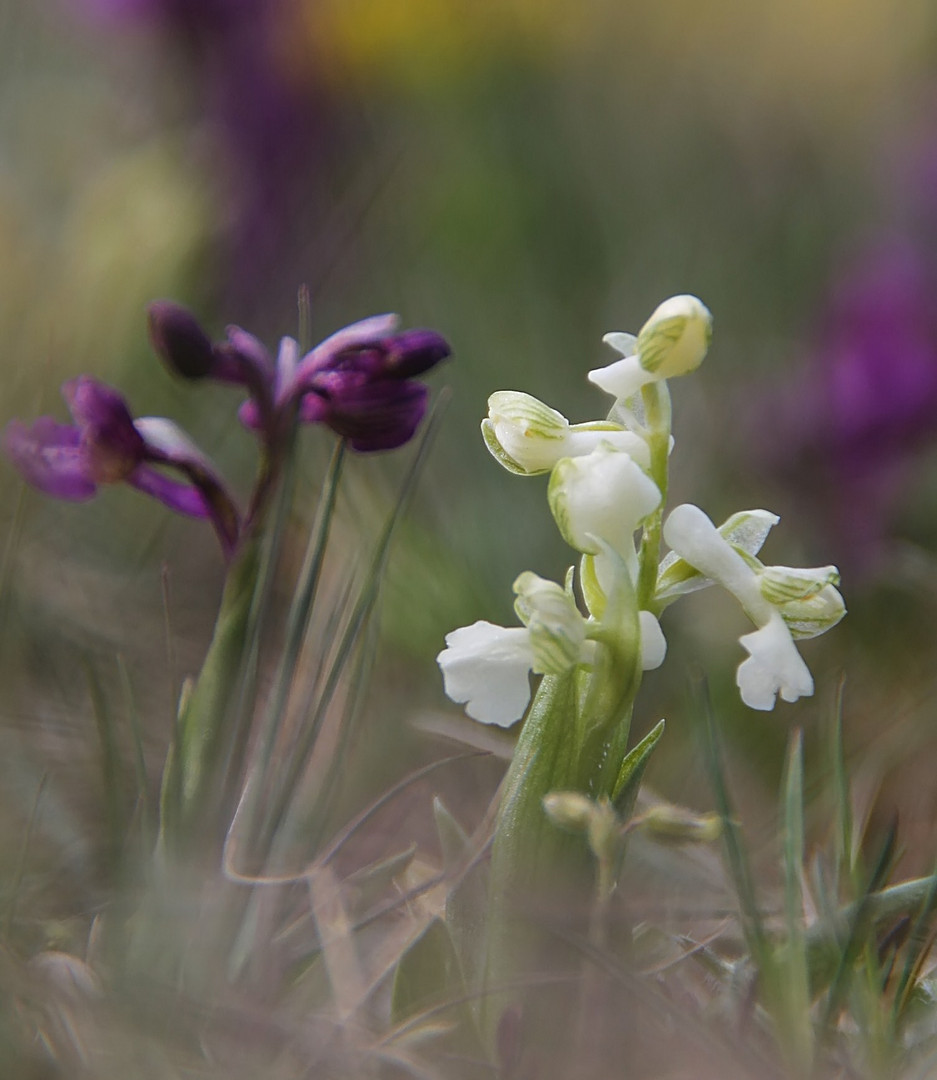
(672, 342)
(604, 494)
(487, 666)
(527, 437)
(782, 602)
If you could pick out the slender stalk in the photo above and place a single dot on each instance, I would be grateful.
(297, 626)
(656, 399)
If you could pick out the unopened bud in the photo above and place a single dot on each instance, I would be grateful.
(677, 824)
(179, 340)
(569, 810)
(557, 629)
(675, 338)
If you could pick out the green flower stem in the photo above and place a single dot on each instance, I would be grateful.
(656, 399)
(191, 777)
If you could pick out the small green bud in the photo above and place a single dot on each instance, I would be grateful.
(569, 810)
(676, 824)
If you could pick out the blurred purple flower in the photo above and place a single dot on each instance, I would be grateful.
(105, 445)
(360, 382)
(868, 399)
(268, 116)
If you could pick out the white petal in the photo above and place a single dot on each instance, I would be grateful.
(603, 494)
(626, 344)
(622, 379)
(583, 440)
(748, 529)
(487, 667)
(774, 666)
(653, 642)
(696, 540)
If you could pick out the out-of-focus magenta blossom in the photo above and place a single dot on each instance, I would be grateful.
(867, 402)
(360, 382)
(106, 445)
(268, 118)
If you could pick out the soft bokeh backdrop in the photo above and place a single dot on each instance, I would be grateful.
(523, 175)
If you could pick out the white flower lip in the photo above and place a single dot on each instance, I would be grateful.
(774, 666)
(487, 668)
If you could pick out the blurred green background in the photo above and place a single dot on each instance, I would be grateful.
(524, 176)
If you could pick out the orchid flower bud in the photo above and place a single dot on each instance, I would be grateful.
(672, 342)
(527, 437)
(557, 630)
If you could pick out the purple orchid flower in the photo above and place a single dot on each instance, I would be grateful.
(106, 445)
(360, 382)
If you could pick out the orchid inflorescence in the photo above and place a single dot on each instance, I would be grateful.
(360, 382)
(608, 479)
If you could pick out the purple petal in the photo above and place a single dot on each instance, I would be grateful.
(111, 443)
(167, 444)
(367, 333)
(379, 416)
(251, 351)
(313, 409)
(49, 456)
(179, 340)
(249, 415)
(183, 498)
(413, 352)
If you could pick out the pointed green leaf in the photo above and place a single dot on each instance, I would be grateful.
(631, 773)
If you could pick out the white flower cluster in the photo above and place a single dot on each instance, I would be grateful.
(601, 491)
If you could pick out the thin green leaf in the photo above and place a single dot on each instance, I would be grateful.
(917, 952)
(844, 848)
(794, 986)
(302, 751)
(112, 777)
(139, 760)
(861, 922)
(752, 924)
(631, 773)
